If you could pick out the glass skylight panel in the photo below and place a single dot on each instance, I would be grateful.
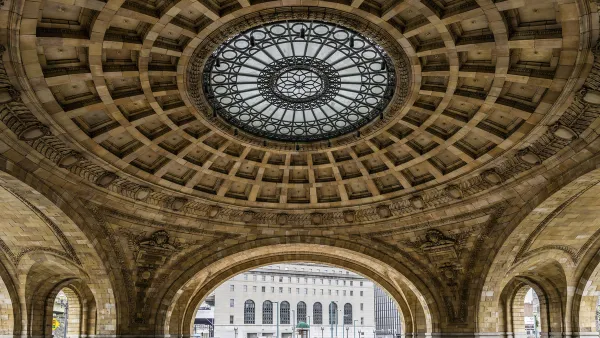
(299, 81)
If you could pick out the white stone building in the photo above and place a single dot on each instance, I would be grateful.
(246, 306)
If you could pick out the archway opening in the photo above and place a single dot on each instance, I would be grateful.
(531, 314)
(298, 300)
(66, 314)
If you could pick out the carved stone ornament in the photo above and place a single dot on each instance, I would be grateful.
(142, 193)
(316, 218)
(178, 203)
(69, 159)
(491, 176)
(282, 219)
(349, 216)
(248, 216)
(563, 132)
(454, 191)
(158, 239)
(417, 202)
(213, 210)
(384, 211)
(591, 96)
(33, 131)
(106, 179)
(440, 249)
(9, 94)
(527, 156)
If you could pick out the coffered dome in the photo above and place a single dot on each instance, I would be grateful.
(324, 106)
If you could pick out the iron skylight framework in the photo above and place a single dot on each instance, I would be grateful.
(299, 81)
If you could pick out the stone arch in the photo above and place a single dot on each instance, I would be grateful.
(547, 278)
(44, 275)
(71, 252)
(81, 310)
(587, 291)
(419, 311)
(10, 311)
(531, 235)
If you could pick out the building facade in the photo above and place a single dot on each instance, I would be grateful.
(333, 301)
(387, 316)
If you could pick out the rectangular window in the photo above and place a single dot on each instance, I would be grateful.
(344, 292)
(254, 277)
(305, 280)
(322, 281)
(344, 283)
(305, 291)
(245, 276)
(337, 282)
(231, 287)
(337, 292)
(361, 293)
(297, 279)
(361, 283)
(362, 320)
(289, 290)
(272, 289)
(361, 306)
(230, 319)
(351, 293)
(280, 279)
(231, 302)
(297, 291)
(245, 288)
(264, 289)
(329, 291)
(280, 290)
(264, 278)
(314, 291)
(351, 282)
(314, 281)
(254, 289)
(289, 279)
(272, 278)
(321, 291)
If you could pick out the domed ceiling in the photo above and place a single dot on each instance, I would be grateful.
(345, 104)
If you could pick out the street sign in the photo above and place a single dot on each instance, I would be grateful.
(55, 324)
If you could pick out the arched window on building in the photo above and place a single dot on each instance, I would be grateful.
(284, 313)
(249, 311)
(317, 313)
(348, 313)
(267, 314)
(301, 313)
(332, 313)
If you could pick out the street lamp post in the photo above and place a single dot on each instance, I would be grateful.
(337, 319)
(322, 329)
(293, 323)
(331, 314)
(277, 336)
(347, 334)
(309, 328)
(235, 329)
